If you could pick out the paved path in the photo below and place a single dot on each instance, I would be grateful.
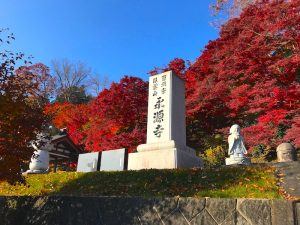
(289, 174)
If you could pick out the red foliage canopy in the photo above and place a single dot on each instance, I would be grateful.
(119, 116)
(177, 65)
(250, 75)
(115, 119)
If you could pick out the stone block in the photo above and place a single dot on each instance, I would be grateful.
(240, 220)
(151, 218)
(118, 210)
(166, 206)
(190, 207)
(89, 162)
(162, 159)
(231, 219)
(297, 212)
(147, 213)
(282, 212)
(256, 212)
(176, 218)
(220, 208)
(203, 218)
(114, 160)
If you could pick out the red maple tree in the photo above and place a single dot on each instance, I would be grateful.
(119, 116)
(115, 119)
(250, 75)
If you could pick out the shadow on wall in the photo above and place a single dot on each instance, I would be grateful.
(72, 210)
(130, 211)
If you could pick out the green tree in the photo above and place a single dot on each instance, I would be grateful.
(74, 95)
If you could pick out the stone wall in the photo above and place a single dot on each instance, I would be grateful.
(135, 210)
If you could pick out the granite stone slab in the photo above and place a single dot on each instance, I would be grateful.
(114, 160)
(89, 162)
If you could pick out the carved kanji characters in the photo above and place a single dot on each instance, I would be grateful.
(158, 116)
(158, 130)
(158, 103)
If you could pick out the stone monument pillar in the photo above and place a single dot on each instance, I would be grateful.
(286, 153)
(166, 130)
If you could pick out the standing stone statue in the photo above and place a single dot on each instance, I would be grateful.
(237, 151)
(286, 153)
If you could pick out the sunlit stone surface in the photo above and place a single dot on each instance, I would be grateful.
(166, 129)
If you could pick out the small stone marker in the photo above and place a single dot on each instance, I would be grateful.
(114, 160)
(237, 151)
(286, 153)
(166, 130)
(89, 162)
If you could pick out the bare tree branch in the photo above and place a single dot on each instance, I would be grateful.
(97, 83)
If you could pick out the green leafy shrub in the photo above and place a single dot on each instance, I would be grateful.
(214, 156)
(258, 151)
(262, 154)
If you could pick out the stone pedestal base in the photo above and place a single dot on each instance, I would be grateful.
(237, 160)
(163, 159)
(35, 172)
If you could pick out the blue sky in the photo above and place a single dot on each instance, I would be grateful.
(114, 37)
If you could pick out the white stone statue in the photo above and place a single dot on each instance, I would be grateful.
(236, 142)
(237, 151)
(39, 162)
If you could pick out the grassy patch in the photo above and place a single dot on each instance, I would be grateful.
(224, 182)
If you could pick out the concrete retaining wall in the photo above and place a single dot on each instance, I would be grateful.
(135, 210)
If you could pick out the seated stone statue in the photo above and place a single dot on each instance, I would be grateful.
(39, 162)
(236, 142)
(237, 150)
